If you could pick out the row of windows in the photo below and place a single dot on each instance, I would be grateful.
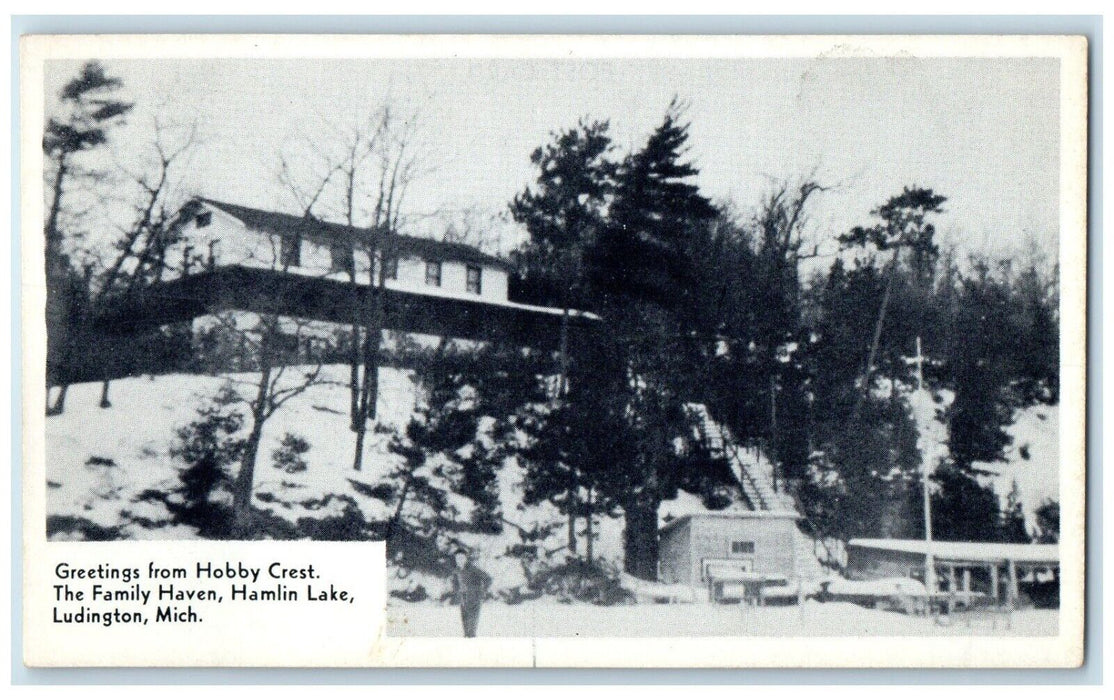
(473, 280)
(343, 260)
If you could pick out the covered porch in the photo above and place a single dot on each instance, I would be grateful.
(967, 574)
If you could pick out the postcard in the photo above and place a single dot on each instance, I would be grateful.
(512, 351)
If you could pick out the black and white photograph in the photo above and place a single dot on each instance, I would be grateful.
(698, 344)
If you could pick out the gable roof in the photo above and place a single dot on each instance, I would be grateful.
(328, 232)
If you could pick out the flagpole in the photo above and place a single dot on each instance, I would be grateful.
(929, 561)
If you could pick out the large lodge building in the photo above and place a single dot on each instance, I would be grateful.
(227, 257)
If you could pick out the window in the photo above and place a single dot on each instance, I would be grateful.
(390, 267)
(343, 258)
(291, 251)
(473, 280)
(433, 273)
(204, 219)
(741, 547)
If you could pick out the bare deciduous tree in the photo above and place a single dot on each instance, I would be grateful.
(359, 174)
(272, 339)
(139, 257)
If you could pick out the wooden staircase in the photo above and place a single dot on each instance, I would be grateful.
(756, 479)
(755, 475)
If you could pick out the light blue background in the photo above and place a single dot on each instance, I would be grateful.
(1091, 26)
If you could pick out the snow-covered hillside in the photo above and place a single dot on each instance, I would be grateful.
(1032, 458)
(99, 460)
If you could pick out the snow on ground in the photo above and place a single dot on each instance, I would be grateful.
(812, 619)
(1032, 458)
(98, 459)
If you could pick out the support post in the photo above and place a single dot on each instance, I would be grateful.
(1014, 593)
(926, 496)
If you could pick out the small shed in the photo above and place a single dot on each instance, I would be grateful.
(746, 547)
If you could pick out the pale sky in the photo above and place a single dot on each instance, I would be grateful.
(983, 132)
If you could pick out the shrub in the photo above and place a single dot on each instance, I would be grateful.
(581, 581)
(209, 446)
(290, 455)
(413, 595)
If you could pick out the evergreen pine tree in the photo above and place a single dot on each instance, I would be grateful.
(453, 448)
(962, 509)
(981, 369)
(1048, 522)
(643, 254)
(563, 213)
(642, 272)
(1013, 518)
(90, 107)
(1037, 344)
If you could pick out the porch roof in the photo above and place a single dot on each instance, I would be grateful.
(987, 552)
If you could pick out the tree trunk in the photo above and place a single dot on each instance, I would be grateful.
(393, 522)
(371, 373)
(245, 480)
(588, 544)
(108, 356)
(354, 355)
(54, 277)
(774, 451)
(640, 540)
(53, 244)
(358, 458)
(562, 392)
(59, 401)
(369, 393)
(354, 379)
(105, 403)
(869, 371)
(572, 523)
(373, 338)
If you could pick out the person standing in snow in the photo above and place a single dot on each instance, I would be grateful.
(470, 584)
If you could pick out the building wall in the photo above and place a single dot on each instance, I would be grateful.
(774, 550)
(232, 243)
(864, 563)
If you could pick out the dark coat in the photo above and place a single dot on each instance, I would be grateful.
(470, 586)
